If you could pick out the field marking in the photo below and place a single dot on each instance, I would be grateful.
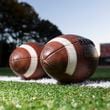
(103, 84)
(18, 79)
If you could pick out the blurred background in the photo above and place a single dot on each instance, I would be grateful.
(39, 21)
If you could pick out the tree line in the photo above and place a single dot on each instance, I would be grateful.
(20, 23)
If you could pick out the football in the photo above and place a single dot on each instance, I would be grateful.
(24, 61)
(69, 58)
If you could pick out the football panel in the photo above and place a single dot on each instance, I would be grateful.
(33, 62)
(54, 63)
(18, 60)
(88, 61)
(71, 53)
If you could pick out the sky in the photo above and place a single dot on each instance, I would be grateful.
(87, 18)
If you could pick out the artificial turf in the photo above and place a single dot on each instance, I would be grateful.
(6, 71)
(33, 96)
(101, 73)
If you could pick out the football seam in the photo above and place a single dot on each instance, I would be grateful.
(57, 50)
(22, 58)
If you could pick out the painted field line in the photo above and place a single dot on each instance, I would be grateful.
(103, 84)
(18, 79)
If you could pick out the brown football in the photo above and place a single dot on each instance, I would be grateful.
(25, 61)
(69, 58)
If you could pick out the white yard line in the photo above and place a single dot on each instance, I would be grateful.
(18, 79)
(104, 84)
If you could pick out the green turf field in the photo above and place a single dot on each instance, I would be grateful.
(102, 73)
(6, 72)
(33, 96)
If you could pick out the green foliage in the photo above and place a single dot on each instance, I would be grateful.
(21, 23)
(47, 30)
(33, 96)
